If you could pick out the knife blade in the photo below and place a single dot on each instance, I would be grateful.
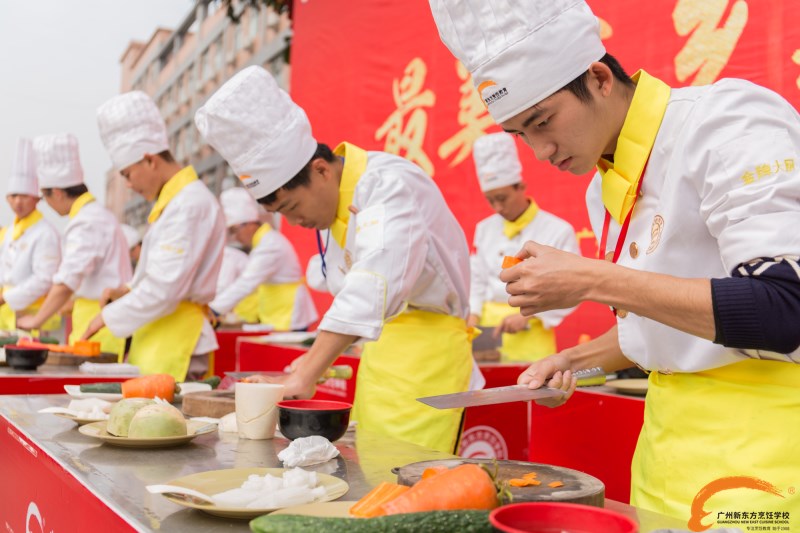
(509, 393)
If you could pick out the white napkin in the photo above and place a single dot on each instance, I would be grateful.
(227, 424)
(109, 369)
(308, 451)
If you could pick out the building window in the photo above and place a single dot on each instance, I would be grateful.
(220, 54)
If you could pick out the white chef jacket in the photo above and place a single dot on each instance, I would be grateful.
(403, 248)
(28, 264)
(701, 214)
(491, 245)
(233, 264)
(95, 253)
(180, 260)
(273, 261)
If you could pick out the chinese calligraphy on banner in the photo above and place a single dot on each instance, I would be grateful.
(376, 74)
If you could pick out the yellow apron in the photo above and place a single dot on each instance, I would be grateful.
(275, 300)
(419, 353)
(739, 420)
(247, 308)
(83, 311)
(165, 345)
(531, 344)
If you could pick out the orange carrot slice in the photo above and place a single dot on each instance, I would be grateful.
(510, 261)
(555, 484)
(371, 504)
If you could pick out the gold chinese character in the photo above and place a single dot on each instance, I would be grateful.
(789, 164)
(763, 170)
(605, 29)
(405, 128)
(748, 178)
(709, 47)
(472, 116)
(777, 167)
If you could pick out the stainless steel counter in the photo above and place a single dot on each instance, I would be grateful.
(118, 476)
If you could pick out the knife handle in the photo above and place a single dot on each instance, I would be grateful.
(590, 376)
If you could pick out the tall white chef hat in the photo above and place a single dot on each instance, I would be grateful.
(130, 126)
(496, 161)
(23, 171)
(519, 51)
(58, 161)
(263, 135)
(132, 235)
(239, 207)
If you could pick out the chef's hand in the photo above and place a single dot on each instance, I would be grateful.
(113, 293)
(553, 371)
(511, 324)
(548, 278)
(472, 321)
(294, 386)
(28, 322)
(95, 325)
(295, 364)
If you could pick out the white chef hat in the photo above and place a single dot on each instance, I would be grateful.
(130, 126)
(58, 161)
(519, 52)
(496, 161)
(239, 207)
(23, 171)
(263, 135)
(132, 235)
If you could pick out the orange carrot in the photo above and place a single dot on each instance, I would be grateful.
(467, 486)
(510, 261)
(524, 482)
(529, 475)
(161, 385)
(555, 484)
(370, 505)
(432, 471)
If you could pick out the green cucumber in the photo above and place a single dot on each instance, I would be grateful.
(214, 381)
(429, 522)
(102, 388)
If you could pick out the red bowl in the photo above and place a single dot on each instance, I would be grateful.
(547, 517)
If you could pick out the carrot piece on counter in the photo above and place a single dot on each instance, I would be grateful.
(529, 475)
(524, 482)
(369, 506)
(467, 486)
(555, 484)
(510, 261)
(161, 385)
(432, 471)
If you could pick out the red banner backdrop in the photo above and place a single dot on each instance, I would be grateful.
(376, 74)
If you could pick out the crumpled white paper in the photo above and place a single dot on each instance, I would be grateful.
(227, 424)
(308, 451)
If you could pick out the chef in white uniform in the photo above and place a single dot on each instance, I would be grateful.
(164, 307)
(234, 261)
(272, 272)
(696, 202)
(30, 250)
(134, 239)
(517, 220)
(395, 257)
(95, 254)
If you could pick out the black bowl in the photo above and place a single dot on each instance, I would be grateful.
(25, 357)
(304, 418)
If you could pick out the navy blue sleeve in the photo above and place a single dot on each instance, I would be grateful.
(758, 307)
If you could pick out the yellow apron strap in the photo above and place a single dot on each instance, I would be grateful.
(739, 420)
(165, 345)
(276, 304)
(418, 354)
(247, 308)
(83, 312)
(8, 318)
(531, 344)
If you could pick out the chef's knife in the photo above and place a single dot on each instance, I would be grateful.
(511, 393)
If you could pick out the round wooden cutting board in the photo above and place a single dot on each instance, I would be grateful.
(214, 403)
(578, 487)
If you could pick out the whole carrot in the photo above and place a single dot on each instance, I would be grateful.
(161, 385)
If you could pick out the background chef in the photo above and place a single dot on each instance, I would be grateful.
(396, 258)
(163, 308)
(517, 219)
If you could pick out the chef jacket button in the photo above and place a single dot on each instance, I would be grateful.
(622, 313)
(634, 250)
(609, 256)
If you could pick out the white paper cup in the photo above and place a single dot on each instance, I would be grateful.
(256, 412)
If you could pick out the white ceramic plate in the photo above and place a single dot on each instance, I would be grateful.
(97, 430)
(80, 421)
(216, 481)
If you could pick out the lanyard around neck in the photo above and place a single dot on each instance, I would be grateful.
(623, 232)
(323, 252)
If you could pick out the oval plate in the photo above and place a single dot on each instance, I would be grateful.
(216, 481)
(74, 391)
(79, 421)
(97, 430)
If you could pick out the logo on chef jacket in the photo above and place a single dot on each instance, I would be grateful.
(246, 181)
(483, 442)
(494, 95)
(750, 520)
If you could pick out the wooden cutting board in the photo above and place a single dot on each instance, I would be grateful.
(213, 403)
(68, 359)
(578, 487)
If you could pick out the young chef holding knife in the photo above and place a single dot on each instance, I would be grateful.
(164, 307)
(396, 258)
(95, 254)
(697, 202)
